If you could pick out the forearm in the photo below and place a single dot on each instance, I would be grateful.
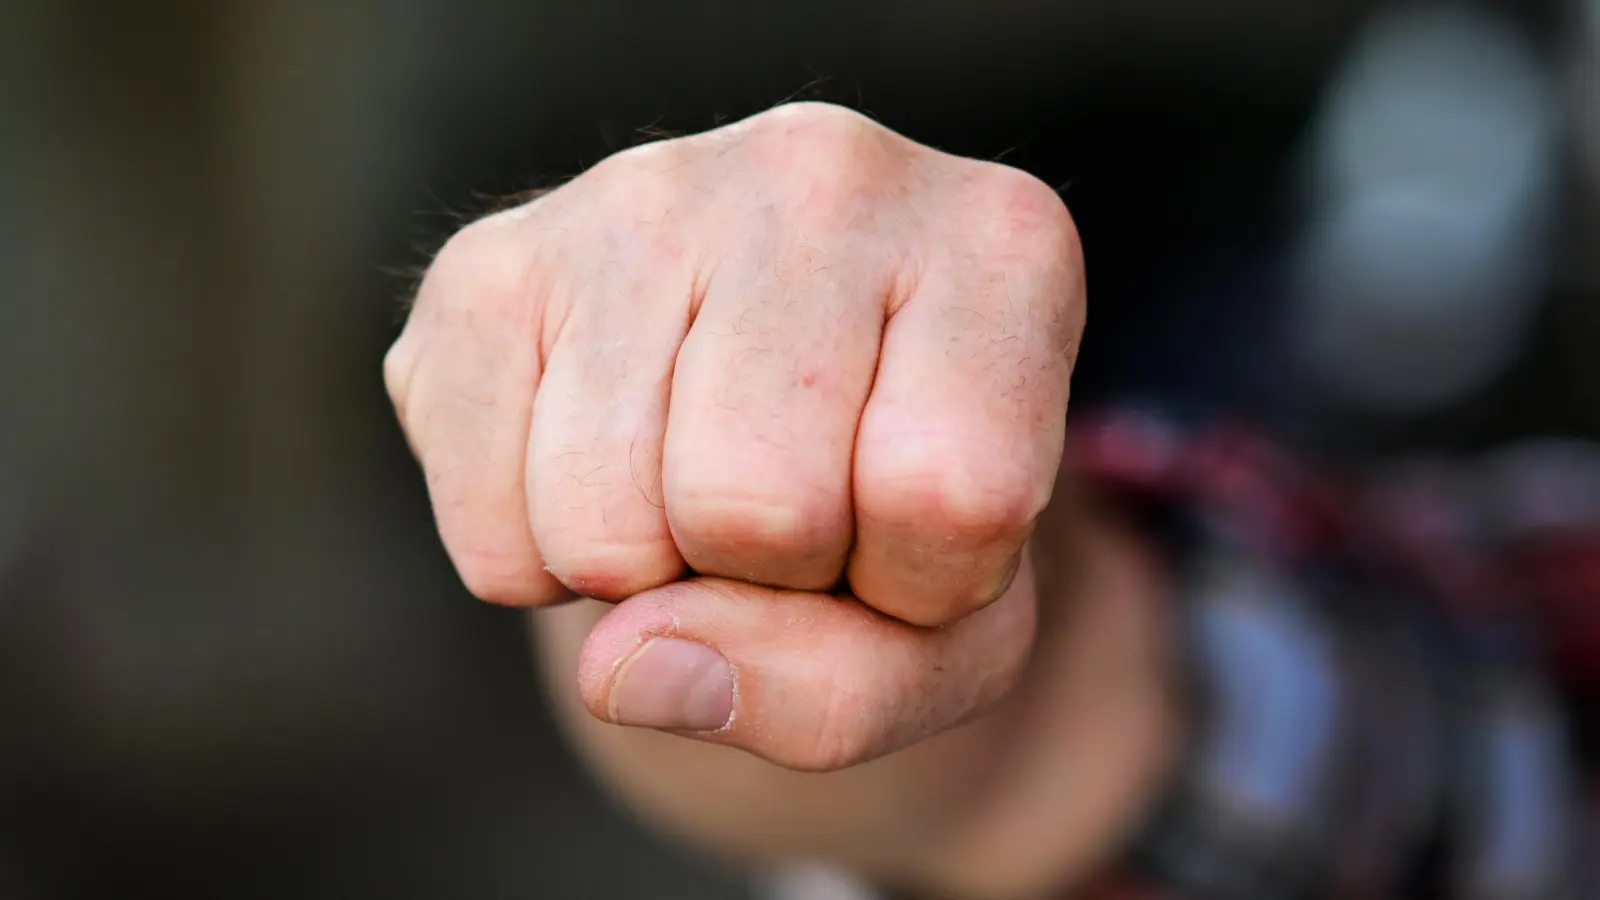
(878, 818)
(1034, 792)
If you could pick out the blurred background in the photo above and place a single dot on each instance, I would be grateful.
(234, 661)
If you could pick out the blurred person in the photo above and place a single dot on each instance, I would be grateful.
(785, 403)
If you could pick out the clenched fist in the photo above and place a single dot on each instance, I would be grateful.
(791, 394)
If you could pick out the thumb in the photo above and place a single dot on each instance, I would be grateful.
(814, 682)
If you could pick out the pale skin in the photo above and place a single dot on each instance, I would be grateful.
(787, 400)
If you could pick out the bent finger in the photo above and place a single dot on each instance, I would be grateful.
(809, 681)
(961, 438)
(462, 378)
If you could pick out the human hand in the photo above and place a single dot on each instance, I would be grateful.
(816, 365)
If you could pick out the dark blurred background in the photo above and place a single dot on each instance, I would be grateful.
(234, 661)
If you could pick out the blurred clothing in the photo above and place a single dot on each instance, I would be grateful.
(1382, 695)
(1383, 698)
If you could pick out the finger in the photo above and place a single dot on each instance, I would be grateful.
(594, 467)
(768, 390)
(809, 681)
(462, 377)
(960, 441)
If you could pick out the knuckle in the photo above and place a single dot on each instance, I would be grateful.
(644, 162)
(499, 579)
(634, 181)
(468, 258)
(813, 121)
(1025, 216)
(719, 520)
(611, 572)
(966, 503)
(480, 269)
(823, 157)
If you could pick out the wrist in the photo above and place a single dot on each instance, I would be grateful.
(1093, 733)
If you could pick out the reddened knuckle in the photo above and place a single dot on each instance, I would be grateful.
(817, 124)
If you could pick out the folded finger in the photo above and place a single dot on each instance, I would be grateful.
(813, 682)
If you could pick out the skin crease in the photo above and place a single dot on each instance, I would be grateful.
(790, 354)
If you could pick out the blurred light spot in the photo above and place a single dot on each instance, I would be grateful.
(811, 882)
(1433, 175)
